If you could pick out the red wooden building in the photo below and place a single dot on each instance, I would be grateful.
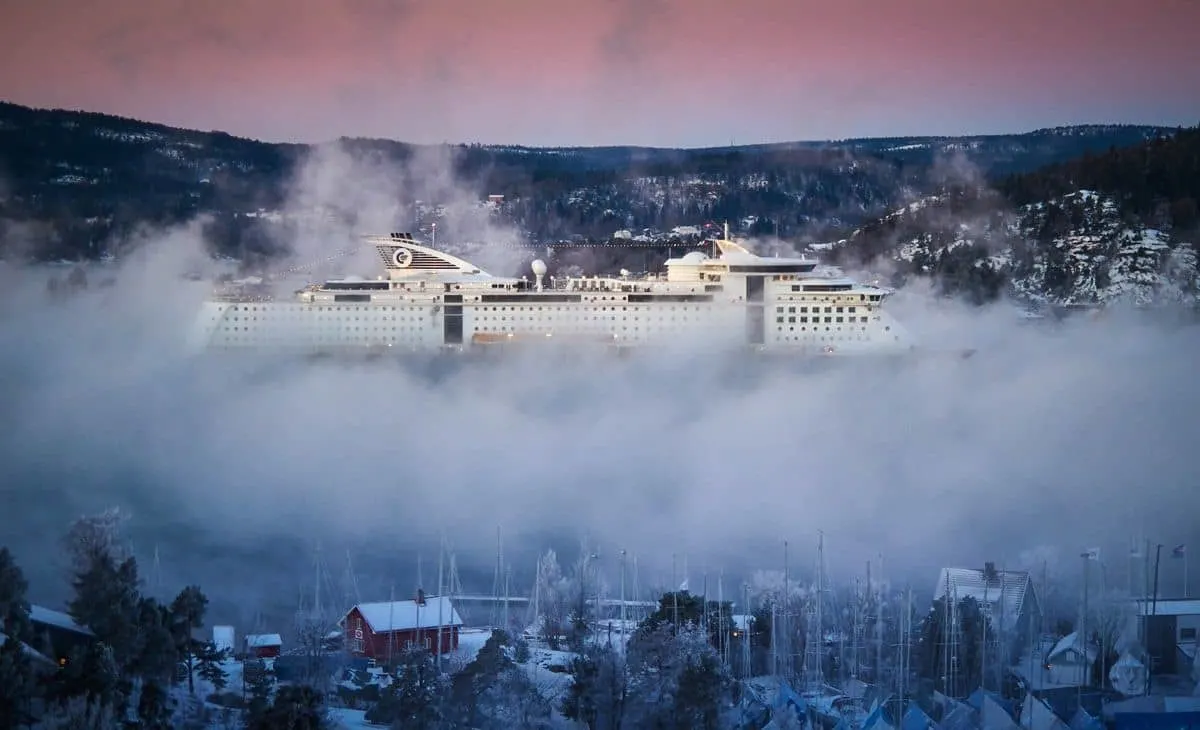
(382, 631)
(263, 646)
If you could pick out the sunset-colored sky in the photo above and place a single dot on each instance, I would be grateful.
(652, 72)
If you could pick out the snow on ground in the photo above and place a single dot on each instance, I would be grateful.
(344, 719)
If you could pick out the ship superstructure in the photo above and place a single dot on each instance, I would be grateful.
(429, 299)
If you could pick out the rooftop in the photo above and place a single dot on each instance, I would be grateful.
(1003, 595)
(407, 615)
(1169, 607)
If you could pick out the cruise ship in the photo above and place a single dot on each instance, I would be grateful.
(429, 300)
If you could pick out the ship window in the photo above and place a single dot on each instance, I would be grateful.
(841, 310)
(862, 319)
(839, 319)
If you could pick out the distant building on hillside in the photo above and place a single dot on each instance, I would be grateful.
(263, 646)
(382, 631)
(1006, 596)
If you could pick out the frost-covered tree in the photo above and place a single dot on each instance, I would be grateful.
(675, 678)
(416, 699)
(597, 693)
(552, 591)
(99, 534)
(494, 691)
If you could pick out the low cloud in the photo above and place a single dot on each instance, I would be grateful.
(1068, 435)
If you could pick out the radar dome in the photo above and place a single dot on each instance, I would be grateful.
(694, 257)
(539, 267)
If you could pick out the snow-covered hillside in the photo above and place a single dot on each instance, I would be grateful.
(1081, 248)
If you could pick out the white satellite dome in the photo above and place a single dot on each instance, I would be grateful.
(539, 267)
(694, 257)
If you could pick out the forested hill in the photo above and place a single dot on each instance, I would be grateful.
(1158, 181)
(1120, 225)
(76, 182)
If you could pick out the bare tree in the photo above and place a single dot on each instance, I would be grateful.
(94, 535)
(552, 590)
(1112, 623)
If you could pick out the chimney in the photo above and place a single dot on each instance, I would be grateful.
(420, 597)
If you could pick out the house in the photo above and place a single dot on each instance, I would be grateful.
(57, 632)
(262, 646)
(1069, 662)
(1006, 596)
(382, 631)
(1170, 628)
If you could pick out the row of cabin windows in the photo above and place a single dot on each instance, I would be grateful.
(817, 310)
(803, 319)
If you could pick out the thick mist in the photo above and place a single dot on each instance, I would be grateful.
(1052, 439)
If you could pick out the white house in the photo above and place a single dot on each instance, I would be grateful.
(1068, 663)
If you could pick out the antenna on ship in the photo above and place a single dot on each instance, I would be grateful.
(433, 235)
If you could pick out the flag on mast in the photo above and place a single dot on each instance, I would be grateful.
(1091, 553)
(1179, 551)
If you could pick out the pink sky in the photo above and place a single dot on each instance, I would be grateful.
(653, 72)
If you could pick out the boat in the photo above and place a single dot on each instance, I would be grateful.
(429, 300)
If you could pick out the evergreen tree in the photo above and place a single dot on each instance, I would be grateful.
(259, 683)
(14, 609)
(419, 691)
(295, 708)
(106, 601)
(208, 665)
(154, 709)
(157, 653)
(187, 615)
(91, 674)
(18, 685)
(597, 693)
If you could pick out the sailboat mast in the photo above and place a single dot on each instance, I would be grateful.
(441, 621)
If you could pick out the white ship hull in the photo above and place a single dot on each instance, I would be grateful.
(737, 301)
(424, 327)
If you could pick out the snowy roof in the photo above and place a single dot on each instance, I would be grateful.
(58, 619)
(30, 652)
(1170, 607)
(1003, 596)
(222, 637)
(1070, 642)
(258, 641)
(406, 615)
